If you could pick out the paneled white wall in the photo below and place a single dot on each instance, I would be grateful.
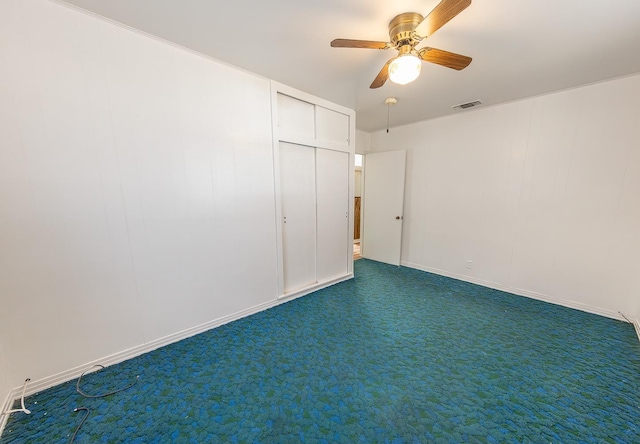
(541, 195)
(136, 190)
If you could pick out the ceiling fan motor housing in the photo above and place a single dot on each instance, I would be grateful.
(401, 29)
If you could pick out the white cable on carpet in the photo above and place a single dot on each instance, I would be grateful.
(23, 409)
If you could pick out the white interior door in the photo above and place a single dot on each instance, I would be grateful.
(332, 188)
(298, 201)
(383, 206)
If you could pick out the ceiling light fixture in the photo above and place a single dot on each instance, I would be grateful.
(406, 67)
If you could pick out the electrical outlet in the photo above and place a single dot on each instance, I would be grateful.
(469, 264)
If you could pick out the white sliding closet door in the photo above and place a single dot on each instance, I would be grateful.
(314, 147)
(332, 194)
(298, 201)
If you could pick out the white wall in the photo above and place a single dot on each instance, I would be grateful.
(136, 190)
(4, 384)
(542, 195)
(637, 309)
(363, 142)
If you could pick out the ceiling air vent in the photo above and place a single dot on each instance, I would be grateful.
(467, 105)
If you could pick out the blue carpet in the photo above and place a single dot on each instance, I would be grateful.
(394, 356)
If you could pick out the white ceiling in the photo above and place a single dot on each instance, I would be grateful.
(520, 48)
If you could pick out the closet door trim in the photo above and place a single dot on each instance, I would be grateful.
(305, 138)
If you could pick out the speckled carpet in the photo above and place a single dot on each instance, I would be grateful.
(394, 356)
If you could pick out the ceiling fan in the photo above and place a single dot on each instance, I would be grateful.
(406, 31)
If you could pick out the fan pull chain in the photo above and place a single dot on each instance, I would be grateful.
(389, 101)
(388, 117)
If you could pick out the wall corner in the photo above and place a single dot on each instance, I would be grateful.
(363, 142)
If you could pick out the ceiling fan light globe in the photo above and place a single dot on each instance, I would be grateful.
(405, 69)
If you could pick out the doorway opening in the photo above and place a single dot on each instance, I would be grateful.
(357, 213)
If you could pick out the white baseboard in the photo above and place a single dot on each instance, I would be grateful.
(315, 287)
(521, 292)
(36, 386)
(636, 324)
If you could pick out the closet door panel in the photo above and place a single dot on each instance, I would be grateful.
(332, 126)
(332, 193)
(296, 118)
(298, 200)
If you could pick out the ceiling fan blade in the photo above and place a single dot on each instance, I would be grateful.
(368, 44)
(382, 76)
(445, 58)
(441, 14)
